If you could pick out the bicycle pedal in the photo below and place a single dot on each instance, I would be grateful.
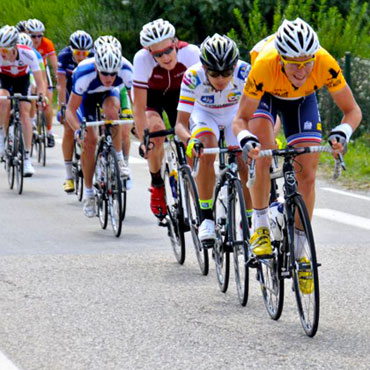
(208, 244)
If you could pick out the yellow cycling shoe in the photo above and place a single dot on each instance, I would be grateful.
(261, 242)
(69, 186)
(305, 276)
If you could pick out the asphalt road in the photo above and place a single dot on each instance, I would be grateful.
(72, 296)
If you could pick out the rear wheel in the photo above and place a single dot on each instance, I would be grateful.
(42, 138)
(220, 250)
(193, 221)
(9, 163)
(19, 157)
(305, 272)
(114, 193)
(100, 181)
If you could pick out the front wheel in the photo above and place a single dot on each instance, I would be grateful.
(77, 172)
(100, 182)
(19, 157)
(304, 268)
(9, 165)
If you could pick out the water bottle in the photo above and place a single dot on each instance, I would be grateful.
(277, 220)
(173, 182)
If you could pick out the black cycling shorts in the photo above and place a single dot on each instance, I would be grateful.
(158, 101)
(15, 84)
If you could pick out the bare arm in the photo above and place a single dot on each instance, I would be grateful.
(62, 83)
(182, 126)
(245, 112)
(54, 63)
(71, 113)
(139, 110)
(40, 82)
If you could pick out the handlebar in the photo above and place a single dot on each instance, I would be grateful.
(290, 151)
(148, 135)
(18, 96)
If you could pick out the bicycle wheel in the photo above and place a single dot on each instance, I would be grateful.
(304, 269)
(19, 157)
(114, 186)
(174, 218)
(193, 220)
(8, 160)
(271, 282)
(77, 172)
(42, 139)
(220, 251)
(124, 198)
(240, 241)
(100, 181)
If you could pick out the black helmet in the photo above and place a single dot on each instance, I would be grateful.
(219, 52)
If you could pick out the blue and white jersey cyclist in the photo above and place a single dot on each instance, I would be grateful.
(209, 98)
(95, 81)
(80, 47)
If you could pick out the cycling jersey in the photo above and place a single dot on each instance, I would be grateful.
(46, 49)
(26, 61)
(85, 78)
(148, 74)
(267, 74)
(66, 65)
(210, 108)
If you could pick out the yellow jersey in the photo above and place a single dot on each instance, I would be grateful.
(267, 74)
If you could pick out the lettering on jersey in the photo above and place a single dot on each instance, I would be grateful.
(190, 79)
(177, 75)
(79, 90)
(243, 71)
(158, 76)
(334, 83)
(264, 105)
(207, 99)
(233, 97)
(307, 125)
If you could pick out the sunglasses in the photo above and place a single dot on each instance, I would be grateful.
(5, 50)
(80, 53)
(305, 64)
(109, 73)
(166, 51)
(36, 36)
(225, 73)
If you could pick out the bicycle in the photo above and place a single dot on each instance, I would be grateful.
(39, 137)
(288, 261)
(231, 224)
(14, 143)
(183, 210)
(107, 178)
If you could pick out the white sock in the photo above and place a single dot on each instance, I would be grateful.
(300, 244)
(119, 155)
(89, 192)
(261, 218)
(68, 167)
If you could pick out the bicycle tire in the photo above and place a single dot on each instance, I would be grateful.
(240, 242)
(124, 198)
(9, 165)
(307, 289)
(77, 173)
(43, 138)
(174, 218)
(114, 186)
(220, 251)
(19, 157)
(100, 180)
(193, 221)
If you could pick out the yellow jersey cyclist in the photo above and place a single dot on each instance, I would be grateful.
(289, 68)
(97, 80)
(209, 98)
(45, 47)
(158, 71)
(80, 45)
(125, 97)
(16, 62)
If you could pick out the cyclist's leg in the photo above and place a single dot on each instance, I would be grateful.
(49, 109)
(4, 115)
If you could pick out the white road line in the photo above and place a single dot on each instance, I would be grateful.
(6, 364)
(343, 218)
(347, 193)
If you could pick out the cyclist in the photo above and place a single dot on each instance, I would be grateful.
(97, 81)
(45, 47)
(209, 97)
(158, 71)
(16, 62)
(285, 75)
(80, 43)
(125, 96)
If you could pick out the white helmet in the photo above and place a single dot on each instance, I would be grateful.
(156, 31)
(108, 59)
(296, 38)
(25, 39)
(34, 26)
(8, 36)
(80, 40)
(107, 40)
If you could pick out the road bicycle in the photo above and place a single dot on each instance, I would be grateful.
(183, 210)
(108, 184)
(14, 143)
(39, 137)
(231, 224)
(294, 253)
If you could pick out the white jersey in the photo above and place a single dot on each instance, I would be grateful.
(85, 79)
(27, 61)
(198, 94)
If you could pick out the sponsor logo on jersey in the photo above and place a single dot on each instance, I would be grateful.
(190, 79)
(158, 76)
(207, 99)
(243, 71)
(307, 125)
(319, 128)
(233, 97)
